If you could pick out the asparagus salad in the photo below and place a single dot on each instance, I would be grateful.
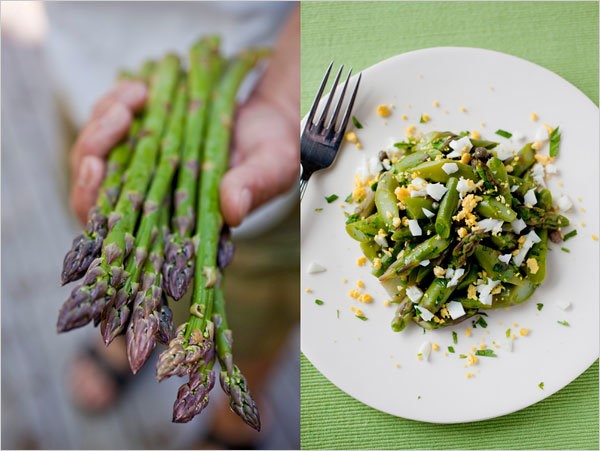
(142, 241)
(453, 224)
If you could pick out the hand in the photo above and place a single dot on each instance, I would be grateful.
(108, 124)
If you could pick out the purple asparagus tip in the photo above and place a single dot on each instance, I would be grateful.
(192, 397)
(178, 268)
(240, 398)
(226, 248)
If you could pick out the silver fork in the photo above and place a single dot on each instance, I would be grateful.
(320, 143)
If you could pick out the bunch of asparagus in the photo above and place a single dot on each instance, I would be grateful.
(157, 226)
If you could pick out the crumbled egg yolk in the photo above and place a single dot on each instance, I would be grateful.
(595, 237)
(435, 347)
(468, 332)
(359, 312)
(377, 263)
(410, 131)
(468, 205)
(472, 292)
(404, 117)
(472, 360)
(469, 375)
(466, 157)
(475, 134)
(533, 266)
(543, 159)
(549, 129)
(405, 221)
(308, 290)
(482, 346)
(537, 145)
(401, 193)
(351, 137)
(462, 232)
(365, 298)
(534, 116)
(383, 111)
(361, 261)
(345, 280)
(354, 293)
(386, 303)
(358, 146)
(524, 332)
(462, 109)
(425, 118)
(436, 103)
(439, 271)
(396, 222)
(444, 312)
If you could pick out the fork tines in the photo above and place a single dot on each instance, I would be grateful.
(330, 131)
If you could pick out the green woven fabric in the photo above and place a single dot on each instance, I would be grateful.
(561, 36)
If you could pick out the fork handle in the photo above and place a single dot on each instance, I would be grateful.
(304, 176)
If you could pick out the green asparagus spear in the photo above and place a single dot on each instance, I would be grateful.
(87, 246)
(448, 205)
(205, 67)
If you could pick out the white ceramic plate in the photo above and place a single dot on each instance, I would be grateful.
(379, 367)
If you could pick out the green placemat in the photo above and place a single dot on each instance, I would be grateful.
(561, 36)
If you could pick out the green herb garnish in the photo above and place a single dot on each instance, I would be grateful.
(332, 198)
(462, 356)
(570, 235)
(507, 333)
(356, 123)
(403, 145)
(352, 218)
(374, 186)
(337, 312)
(455, 337)
(319, 302)
(422, 120)
(451, 349)
(554, 142)
(564, 249)
(540, 306)
(503, 133)
(479, 321)
(541, 385)
(485, 353)
(348, 198)
(360, 317)
(564, 323)
(318, 209)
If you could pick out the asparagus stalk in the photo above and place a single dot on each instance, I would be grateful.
(117, 313)
(145, 319)
(87, 245)
(106, 273)
(232, 380)
(205, 67)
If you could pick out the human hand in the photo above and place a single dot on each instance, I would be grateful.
(108, 124)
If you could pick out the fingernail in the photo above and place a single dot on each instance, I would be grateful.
(86, 175)
(245, 202)
(135, 92)
(115, 116)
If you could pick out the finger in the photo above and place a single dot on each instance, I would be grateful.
(130, 93)
(85, 189)
(264, 174)
(100, 135)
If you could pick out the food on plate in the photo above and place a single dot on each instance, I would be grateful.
(453, 225)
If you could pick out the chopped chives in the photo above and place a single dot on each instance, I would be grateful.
(503, 133)
(570, 235)
(356, 123)
(332, 198)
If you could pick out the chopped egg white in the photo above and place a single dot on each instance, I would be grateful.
(418, 187)
(425, 350)
(505, 258)
(450, 168)
(465, 186)
(459, 147)
(414, 293)
(517, 136)
(424, 262)
(508, 344)
(457, 274)
(504, 153)
(530, 239)
(429, 214)
(538, 174)
(381, 240)
(514, 188)
(491, 225)
(485, 291)
(551, 168)
(564, 203)
(414, 228)
(529, 198)
(436, 190)
(314, 268)
(424, 313)
(374, 166)
(518, 225)
(563, 305)
(455, 309)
